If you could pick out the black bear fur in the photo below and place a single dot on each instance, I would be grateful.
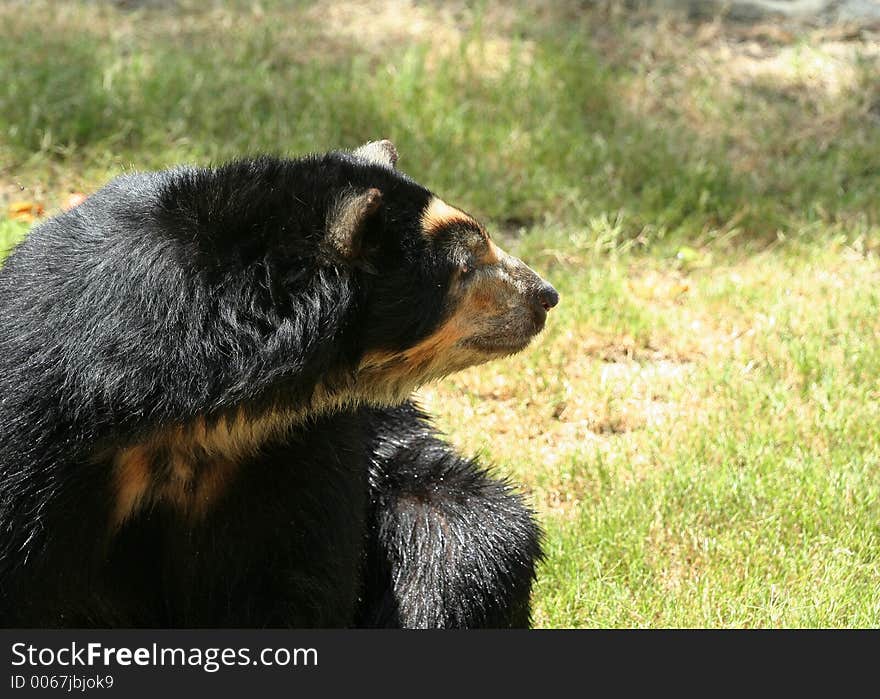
(204, 414)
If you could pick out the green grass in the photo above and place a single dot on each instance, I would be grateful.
(10, 233)
(715, 461)
(697, 428)
(527, 125)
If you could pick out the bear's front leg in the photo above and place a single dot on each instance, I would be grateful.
(449, 547)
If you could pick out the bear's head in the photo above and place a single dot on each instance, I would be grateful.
(343, 283)
(441, 295)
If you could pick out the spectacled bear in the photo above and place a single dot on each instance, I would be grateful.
(205, 416)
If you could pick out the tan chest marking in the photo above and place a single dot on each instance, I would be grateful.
(188, 466)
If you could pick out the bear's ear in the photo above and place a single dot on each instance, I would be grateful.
(347, 220)
(380, 152)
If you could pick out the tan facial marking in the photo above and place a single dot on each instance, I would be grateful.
(392, 376)
(389, 377)
(434, 346)
(439, 215)
(494, 254)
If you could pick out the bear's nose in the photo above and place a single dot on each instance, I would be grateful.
(548, 297)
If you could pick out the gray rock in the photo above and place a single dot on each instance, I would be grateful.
(820, 11)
